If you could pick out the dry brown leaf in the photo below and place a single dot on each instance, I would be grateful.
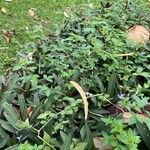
(139, 34)
(31, 13)
(3, 10)
(84, 98)
(7, 35)
(99, 145)
(127, 115)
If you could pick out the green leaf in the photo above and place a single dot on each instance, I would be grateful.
(23, 125)
(3, 138)
(36, 100)
(51, 141)
(87, 137)
(80, 146)
(5, 125)
(35, 113)
(112, 85)
(10, 114)
(23, 107)
(17, 67)
(34, 81)
(11, 121)
(10, 111)
(67, 142)
(144, 132)
(13, 147)
(141, 102)
(100, 84)
(45, 114)
(63, 136)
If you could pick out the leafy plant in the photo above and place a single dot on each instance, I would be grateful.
(119, 137)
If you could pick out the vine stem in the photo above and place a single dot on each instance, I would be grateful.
(95, 114)
(108, 102)
(122, 55)
(48, 122)
(38, 131)
(115, 106)
(43, 139)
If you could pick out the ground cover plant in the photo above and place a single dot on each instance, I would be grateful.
(85, 87)
(18, 17)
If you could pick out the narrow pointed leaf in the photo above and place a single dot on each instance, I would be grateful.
(84, 98)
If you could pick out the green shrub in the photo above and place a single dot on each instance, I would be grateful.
(91, 49)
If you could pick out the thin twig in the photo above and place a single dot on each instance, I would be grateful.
(107, 101)
(49, 121)
(116, 106)
(122, 55)
(94, 95)
(43, 139)
(46, 143)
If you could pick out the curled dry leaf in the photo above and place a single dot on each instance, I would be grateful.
(99, 145)
(139, 34)
(7, 35)
(127, 115)
(3, 10)
(29, 111)
(84, 98)
(31, 13)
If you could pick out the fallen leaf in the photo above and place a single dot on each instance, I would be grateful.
(31, 13)
(147, 107)
(139, 34)
(127, 115)
(8, 0)
(29, 111)
(66, 14)
(99, 145)
(7, 35)
(3, 10)
(84, 98)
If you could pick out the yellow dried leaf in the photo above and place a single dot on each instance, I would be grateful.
(3, 10)
(31, 13)
(139, 34)
(66, 14)
(29, 111)
(84, 98)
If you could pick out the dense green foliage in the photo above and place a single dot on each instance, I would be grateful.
(91, 49)
(17, 21)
